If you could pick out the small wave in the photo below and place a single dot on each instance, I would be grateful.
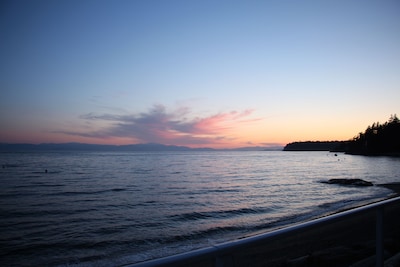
(39, 184)
(15, 195)
(205, 233)
(196, 235)
(337, 206)
(10, 166)
(73, 193)
(270, 225)
(31, 176)
(191, 216)
(118, 189)
(210, 191)
(41, 210)
(225, 190)
(142, 171)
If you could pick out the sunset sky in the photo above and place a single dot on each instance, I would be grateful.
(197, 73)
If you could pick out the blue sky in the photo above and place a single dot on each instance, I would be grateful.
(196, 73)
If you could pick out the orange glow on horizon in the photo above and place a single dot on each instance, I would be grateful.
(222, 130)
(227, 137)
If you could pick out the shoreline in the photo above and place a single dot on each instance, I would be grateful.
(395, 187)
(348, 242)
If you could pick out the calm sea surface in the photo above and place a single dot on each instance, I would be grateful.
(115, 208)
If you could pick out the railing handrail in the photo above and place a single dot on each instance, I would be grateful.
(228, 247)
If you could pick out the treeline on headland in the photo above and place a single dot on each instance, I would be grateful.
(378, 139)
(334, 146)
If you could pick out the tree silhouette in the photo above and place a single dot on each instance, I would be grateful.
(378, 139)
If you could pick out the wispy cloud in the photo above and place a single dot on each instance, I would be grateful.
(169, 127)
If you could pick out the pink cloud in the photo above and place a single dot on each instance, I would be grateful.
(221, 122)
(160, 126)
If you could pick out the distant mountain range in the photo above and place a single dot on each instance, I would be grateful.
(134, 147)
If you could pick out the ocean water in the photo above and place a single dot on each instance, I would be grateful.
(117, 208)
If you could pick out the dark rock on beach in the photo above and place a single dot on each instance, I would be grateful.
(357, 182)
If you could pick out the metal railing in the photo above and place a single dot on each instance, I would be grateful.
(221, 255)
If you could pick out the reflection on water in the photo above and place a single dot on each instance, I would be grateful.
(102, 207)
